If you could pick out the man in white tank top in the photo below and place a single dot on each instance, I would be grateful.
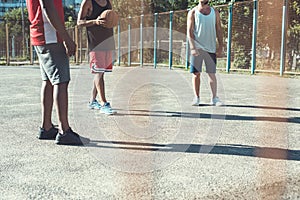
(203, 28)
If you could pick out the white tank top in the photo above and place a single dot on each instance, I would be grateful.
(205, 31)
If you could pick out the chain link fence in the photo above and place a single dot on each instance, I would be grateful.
(147, 39)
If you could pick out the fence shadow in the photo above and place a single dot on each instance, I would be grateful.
(255, 107)
(148, 113)
(263, 107)
(220, 149)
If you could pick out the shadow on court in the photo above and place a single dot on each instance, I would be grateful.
(226, 149)
(263, 107)
(158, 146)
(211, 116)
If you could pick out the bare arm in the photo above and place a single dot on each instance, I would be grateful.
(86, 9)
(219, 31)
(53, 17)
(190, 32)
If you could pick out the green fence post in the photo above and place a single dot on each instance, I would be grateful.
(155, 41)
(171, 40)
(129, 41)
(187, 51)
(141, 41)
(254, 35)
(230, 9)
(119, 43)
(7, 44)
(283, 38)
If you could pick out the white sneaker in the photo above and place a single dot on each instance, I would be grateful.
(216, 102)
(196, 101)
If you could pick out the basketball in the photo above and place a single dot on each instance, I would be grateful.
(111, 18)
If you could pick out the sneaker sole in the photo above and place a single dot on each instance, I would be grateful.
(113, 113)
(74, 144)
(93, 108)
(43, 138)
(70, 144)
(218, 105)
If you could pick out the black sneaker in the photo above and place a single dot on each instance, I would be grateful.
(71, 138)
(48, 135)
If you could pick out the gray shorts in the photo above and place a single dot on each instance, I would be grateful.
(54, 63)
(210, 60)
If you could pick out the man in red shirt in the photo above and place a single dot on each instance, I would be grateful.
(53, 46)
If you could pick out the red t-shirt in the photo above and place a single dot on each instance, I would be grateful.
(41, 31)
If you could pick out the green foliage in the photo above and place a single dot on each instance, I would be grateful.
(2, 32)
(294, 25)
(193, 3)
(14, 20)
(242, 35)
(159, 6)
(293, 44)
(269, 24)
(127, 8)
(242, 58)
(180, 5)
(70, 16)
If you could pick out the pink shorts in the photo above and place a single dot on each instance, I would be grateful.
(101, 61)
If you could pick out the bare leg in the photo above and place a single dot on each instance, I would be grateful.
(61, 103)
(47, 104)
(213, 84)
(100, 86)
(93, 93)
(196, 83)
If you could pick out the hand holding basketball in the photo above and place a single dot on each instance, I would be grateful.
(100, 21)
(108, 19)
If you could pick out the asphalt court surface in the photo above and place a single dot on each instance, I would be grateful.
(157, 146)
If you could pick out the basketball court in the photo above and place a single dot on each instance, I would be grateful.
(157, 146)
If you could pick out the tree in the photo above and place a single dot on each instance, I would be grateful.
(242, 35)
(14, 20)
(18, 29)
(293, 43)
(127, 8)
(269, 24)
(269, 28)
(2, 38)
(70, 16)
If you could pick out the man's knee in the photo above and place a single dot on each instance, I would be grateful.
(61, 86)
(212, 76)
(47, 84)
(99, 75)
(196, 75)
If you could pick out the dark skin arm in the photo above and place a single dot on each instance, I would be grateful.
(53, 17)
(86, 9)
